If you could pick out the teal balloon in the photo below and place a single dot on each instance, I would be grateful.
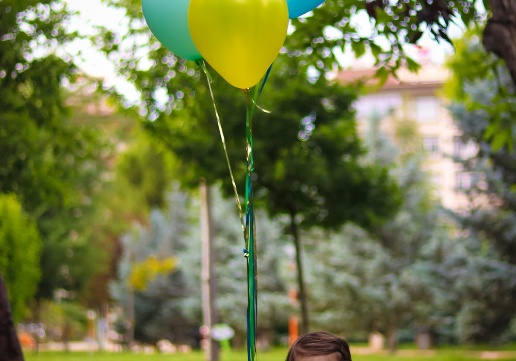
(296, 8)
(168, 21)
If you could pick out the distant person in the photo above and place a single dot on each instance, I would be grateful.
(319, 346)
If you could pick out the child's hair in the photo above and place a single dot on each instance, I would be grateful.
(319, 344)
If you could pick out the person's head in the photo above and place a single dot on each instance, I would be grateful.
(319, 346)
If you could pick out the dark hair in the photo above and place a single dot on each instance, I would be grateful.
(319, 344)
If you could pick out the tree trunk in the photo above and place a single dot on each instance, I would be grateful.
(392, 339)
(10, 349)
(500, 33)
(66, 335)
(37, 313)
(208, 272)
(305, 320)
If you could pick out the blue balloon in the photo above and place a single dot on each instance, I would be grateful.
(168, 21)
(296, 8)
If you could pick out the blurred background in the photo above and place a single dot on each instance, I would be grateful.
(385, 180)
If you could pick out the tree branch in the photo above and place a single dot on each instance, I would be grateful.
(500, 33)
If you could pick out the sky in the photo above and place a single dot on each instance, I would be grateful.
(93, 13)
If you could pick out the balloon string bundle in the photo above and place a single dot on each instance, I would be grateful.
(240, 40)
(202, 65)
(250, 250)
(248, 226)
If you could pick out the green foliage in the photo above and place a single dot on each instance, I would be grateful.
(331, 153)
(308, 158)
(63, 320)
(471, 67)
(20, 247)
(231, 272)
(33, 140)
(170, 306)
(310, 142)
(483, 107)
(186, 125)
(148, 169)
(51, 164)
(157, 307)
(489, 244)
(381, 280)
(383, 28)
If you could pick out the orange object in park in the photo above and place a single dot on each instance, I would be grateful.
(293, 331)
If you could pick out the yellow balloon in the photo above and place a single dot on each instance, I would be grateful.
(239, 38)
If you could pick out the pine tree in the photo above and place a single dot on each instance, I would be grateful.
(169, 306)
(487, 268)
(383, 280)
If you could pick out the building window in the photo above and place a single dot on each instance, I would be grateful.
(427, 109)
(463, 180)
(468, 180)
(464, 150)
(436, 184)
(377, 104)
(431, 145)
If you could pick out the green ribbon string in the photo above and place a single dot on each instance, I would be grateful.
(209, 80)
(252, 309)
(248, 227)
(265, 79)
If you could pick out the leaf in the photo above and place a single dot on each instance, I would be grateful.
(412, 65)
(358, 47)
(498, 141)
(382, 74)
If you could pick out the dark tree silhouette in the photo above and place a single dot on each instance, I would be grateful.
(10, 349)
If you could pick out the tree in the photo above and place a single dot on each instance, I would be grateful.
(398, 23)
(309, 161)
(313, 175)
(474, 68)
(33, 138)
(499, 35)
(307, 151)
(20, 247)
(63, 320)
(148, 169)
(393, 25)
(230, 269)
(9, 343)
(489, 218)
(380, 281)
(407, 241)
(158, 308)
(134, 176)
(169, 307)
(49, 163)
(385, 29)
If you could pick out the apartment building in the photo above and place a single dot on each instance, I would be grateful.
(417, 97)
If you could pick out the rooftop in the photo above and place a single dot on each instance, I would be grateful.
(429, 75)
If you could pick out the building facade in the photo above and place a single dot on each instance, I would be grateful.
(418, 97)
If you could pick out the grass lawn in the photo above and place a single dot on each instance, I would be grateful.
(279, 355)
